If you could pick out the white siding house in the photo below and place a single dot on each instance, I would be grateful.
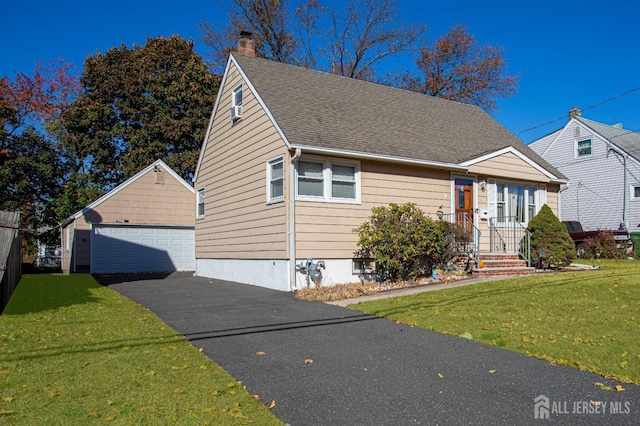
(602, 163)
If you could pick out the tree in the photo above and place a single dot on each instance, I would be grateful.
(136, 106)
(455, 67)
(348, 43)
(31, 164)
(548, 234)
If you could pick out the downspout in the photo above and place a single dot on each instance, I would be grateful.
(73, 245)
(292, 220)
(560, 191)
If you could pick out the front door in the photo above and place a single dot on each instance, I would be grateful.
(463, 196)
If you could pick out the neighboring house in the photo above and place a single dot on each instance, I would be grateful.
(145, 224)
(602, 163)
(294, 159)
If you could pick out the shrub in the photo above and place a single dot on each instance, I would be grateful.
(403, 241)
(601, 246)
(550, 235)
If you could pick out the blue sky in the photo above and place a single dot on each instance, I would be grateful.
(566, 53)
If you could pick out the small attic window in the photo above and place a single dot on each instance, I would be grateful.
(237, 96)
(583, 148)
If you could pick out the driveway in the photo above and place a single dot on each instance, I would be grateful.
(366, 370)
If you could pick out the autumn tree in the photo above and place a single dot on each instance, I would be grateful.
(349, 42)
(31, 163)
(137, 105)
(457, 68)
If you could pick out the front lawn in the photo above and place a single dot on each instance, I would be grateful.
(588, 319)
(73, 352)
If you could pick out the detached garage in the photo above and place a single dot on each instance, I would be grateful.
(145, 224)
(125, 247)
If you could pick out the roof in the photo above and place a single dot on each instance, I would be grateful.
(324, 111)
(627, 140)
(125, 184)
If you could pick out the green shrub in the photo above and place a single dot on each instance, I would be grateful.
(404, 242)
(601, 246)
(550, 235)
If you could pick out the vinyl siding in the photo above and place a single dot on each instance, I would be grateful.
(325, 230)
(595, 194)
(238, 223)
(508, 166)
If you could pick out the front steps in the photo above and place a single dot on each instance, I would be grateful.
(496, 264)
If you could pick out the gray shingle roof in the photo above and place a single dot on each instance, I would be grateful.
(627, 140)
(321, 110)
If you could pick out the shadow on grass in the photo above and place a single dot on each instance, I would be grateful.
(481, 292)
(46, 292)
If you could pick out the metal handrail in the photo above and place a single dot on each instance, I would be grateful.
(513, 237)
(467, 224)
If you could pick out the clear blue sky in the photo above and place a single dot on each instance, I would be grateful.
(567, 53)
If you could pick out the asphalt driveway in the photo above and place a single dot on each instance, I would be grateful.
(366, 370)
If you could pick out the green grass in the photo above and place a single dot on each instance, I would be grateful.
(589, 319)
(73, 353)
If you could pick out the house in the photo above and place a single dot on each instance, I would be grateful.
(294, 159)
(602, 163)
(145, 224)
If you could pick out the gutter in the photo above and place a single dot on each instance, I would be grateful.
(292, 219)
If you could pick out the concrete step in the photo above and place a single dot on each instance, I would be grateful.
(492, 272)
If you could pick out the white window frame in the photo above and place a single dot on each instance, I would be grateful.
(577, 148)
(327, 180)
(270, 163)
(200, 201)
(363, 266)
(632, 192)
(527, 187)
(234, 92)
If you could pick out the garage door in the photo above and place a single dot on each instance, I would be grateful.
(141, 248)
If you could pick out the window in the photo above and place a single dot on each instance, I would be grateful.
(237, 96)
(515, 203)
(583, 148)
(635, 192)
(200, 206)
(275, 180)
(363, 266)
(328, 180)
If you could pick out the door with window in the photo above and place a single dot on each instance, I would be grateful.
(463, 195)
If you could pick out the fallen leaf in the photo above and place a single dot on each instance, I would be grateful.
(260, 353)
(8, 398)
(94, 415)
(173, 367)
(110, 418)
(178, 391)
(466, 335)
(256, 396)
(596, 403)
(492, 371)
(209, 410)
(201, 350)
(619, 388)
(598, 384)
(272, 405)
(308, 361)
(4, 412)
(440, 375)
(109, 402)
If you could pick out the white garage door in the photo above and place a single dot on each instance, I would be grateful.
(141, 248)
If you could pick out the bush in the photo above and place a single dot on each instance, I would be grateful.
(404, 242)
(602, 246)
(550, 235)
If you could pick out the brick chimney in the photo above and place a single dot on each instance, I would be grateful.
(574, 112)
(246, 45)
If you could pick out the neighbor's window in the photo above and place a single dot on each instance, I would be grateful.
(237, 96)
(583, 148)
(328, 180)
(275, 180)
(200, 206)
(635, 192)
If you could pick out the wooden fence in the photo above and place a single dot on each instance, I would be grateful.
(10, 255)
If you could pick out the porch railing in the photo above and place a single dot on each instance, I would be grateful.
(507, 235)
(462, 219)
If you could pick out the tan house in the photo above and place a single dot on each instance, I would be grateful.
(294, 159)
(145, 224)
